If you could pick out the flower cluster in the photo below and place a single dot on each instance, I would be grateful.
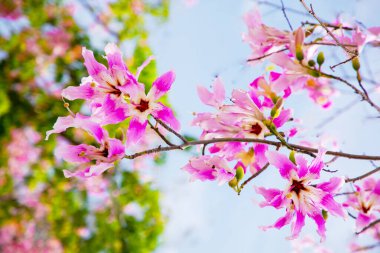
(113, 95)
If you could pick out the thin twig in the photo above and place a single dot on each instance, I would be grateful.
(353, 87)
(365, 248)
(279, 7)
(160, 134)
(311, 11)
(266, 55)
(301, 149)
(341, 63)
(344, 194)
(328, 25)
(362, 176)
(286, 16)
(252, 177)
(372, 224)
(170, 130)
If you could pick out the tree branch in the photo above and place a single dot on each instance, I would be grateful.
(311, 11)
(299, 148)
(362, 176)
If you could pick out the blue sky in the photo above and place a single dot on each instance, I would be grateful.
(201, 42)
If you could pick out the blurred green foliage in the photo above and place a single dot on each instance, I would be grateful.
(118, 212)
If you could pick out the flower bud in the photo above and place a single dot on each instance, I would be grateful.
(311, 63)
(299, 54)
(233, 183)
(239, 173)
(325, 214)
(292, 157)
(276, 110)
(356, 63)
(321, 58)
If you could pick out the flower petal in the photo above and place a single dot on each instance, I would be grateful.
(166, 114)
(281, 162)
(135, 131)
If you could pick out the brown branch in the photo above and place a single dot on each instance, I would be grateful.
(299, 148)
(311, 11)
(328, 25)
(341, 63)
(286, 16)
(160, 134)
(324, 43)
(170, 130)
(353, 87)
(365, 248)
(372, 224)
(266, 55)
(252, 177)
(362, 176)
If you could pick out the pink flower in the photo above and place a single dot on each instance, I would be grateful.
(210, 168)
(302, 197)
(366, 201)
(261, 38)
(93, 160)
(141, 105)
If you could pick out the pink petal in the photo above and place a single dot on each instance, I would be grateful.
(114, 56)
(162, 85)
(362, 221)
(332, 186)
(79, 121)
(298, 224)
(320, 221)
(135, 131)
(281, 162)
(94, 170)
(332, 206)
(74, 153)
(166, 114)
(115, 148)
(283, 220)
(93, 67)
(84, 91)
(317, 164)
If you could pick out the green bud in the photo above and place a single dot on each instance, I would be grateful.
(299, 54)
(292, 157)
(321, 58)
(276, 110)
(239, 173)
(311, 63)
(233, 183)
(325, 214)
(356, 63)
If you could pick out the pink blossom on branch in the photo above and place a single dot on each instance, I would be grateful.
(302, 197)
(365, 201)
